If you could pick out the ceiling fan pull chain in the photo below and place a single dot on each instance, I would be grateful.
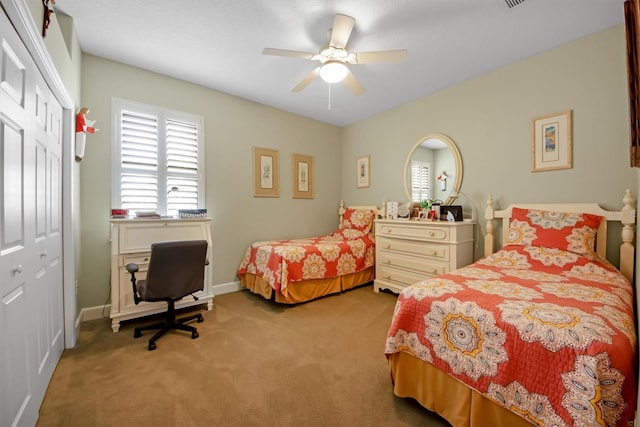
(329, 106)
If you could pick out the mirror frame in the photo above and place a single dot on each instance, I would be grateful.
(456, 155)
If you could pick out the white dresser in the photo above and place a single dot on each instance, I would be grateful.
(131, 241)
(410, 251)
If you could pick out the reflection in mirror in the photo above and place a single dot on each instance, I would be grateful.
(433, 170)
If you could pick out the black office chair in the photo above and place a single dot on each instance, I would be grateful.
(176, 269)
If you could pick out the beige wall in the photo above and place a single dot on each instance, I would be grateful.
(489, 118)
(232, 127)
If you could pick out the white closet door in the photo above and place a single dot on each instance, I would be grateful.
(31, 284)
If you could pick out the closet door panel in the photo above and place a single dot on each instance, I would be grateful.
(31, 277)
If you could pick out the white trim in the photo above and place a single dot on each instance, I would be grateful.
(94, 313)
(225, 288)
(20, 16)
(104, 311)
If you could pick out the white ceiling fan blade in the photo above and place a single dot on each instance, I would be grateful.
(381, 56)
(289, 53)
(353, 84)
(307, 80)
(342, 27)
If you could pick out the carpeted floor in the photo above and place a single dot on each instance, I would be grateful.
(256, 363)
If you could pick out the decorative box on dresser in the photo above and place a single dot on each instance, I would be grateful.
(131, 241)
(410, 251)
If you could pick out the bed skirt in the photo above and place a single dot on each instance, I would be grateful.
(307, 290)
(443, 394)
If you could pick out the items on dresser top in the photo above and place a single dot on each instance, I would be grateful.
(409, 251)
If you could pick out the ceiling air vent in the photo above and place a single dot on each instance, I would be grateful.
(513, 3)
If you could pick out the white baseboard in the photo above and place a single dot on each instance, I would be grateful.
(225, 288)
(101, 311)
(93, 313)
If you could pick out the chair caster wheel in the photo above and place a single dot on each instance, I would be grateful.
(200, 319)
(194, 335)
(137, 333)
(152, 346)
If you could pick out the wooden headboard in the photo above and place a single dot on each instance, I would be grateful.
(626, 216)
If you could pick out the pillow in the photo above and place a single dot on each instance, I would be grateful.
(572, 232)
(357, 219)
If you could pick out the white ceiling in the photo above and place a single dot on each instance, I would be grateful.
(219, 43)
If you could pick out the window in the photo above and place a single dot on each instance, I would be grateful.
(158, 159)
(420, 178)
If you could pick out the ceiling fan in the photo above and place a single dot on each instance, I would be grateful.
(334, 57)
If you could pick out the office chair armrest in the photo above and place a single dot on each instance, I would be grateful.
(133, 269)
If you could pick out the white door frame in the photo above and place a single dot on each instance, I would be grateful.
(20, 16)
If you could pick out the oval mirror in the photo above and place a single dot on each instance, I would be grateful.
(433, 170)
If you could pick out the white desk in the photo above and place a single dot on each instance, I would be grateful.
(131, 241)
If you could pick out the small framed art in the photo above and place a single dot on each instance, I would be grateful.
(266, 173)
(302, 167)
(363, 172)
(551, 144)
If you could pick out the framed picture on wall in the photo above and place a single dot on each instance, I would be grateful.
(302, 167)
(266, 173)
(551, 144)
(363, 172)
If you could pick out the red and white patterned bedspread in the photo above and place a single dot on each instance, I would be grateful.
(547, 334)
(281, 262)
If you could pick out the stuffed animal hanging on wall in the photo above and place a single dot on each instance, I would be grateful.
(82, 127)
(48, 10)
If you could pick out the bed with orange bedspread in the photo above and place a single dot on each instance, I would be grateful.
(541, 332)
(299, 270)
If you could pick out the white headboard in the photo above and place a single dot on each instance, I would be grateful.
(626, 216)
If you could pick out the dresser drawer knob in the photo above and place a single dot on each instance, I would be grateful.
(431, 234)
(16, 269)
(386, 230)
(386, 276)
(433, 252)
(387, 246)
(387, 261)
(432, 270)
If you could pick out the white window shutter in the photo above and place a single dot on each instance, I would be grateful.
(420, 178)
(139, 161)
(182, 166)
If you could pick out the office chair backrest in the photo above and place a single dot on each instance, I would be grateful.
(176, 269)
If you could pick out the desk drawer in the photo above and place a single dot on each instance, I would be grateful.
(138, 237)
(142, 259)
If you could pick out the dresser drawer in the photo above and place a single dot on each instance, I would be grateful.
(402, 277)
(435, 251)
(432, 233)
(420, 265)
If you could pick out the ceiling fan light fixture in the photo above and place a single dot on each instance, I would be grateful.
(333, 71)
